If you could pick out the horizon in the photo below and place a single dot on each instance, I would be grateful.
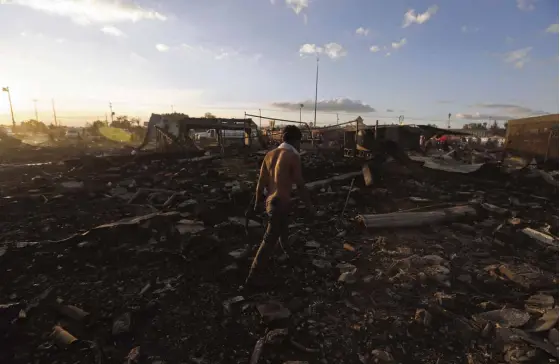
(377, 60)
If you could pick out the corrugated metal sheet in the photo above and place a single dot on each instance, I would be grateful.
(536, 136)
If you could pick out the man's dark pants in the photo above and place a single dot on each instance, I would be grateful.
(277, 228)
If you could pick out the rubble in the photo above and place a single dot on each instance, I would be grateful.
(144, 260)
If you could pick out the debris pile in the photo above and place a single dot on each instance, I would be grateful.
(141, 261)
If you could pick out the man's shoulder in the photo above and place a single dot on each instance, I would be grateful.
(285, 154)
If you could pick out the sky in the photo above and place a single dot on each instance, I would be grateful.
(477, 60)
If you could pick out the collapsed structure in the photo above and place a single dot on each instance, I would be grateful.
(178, 131)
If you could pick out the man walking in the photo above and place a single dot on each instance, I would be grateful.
(280, 170)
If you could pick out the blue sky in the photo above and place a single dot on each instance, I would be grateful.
(475, 59)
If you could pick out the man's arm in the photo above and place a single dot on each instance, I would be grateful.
(300, 183)
(261, 184)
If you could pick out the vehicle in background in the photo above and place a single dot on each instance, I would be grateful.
(72, 134)
(7, 130)
(226, 134)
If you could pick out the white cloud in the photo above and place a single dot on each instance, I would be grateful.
(114, 31)
(399, 44)
(334, 50)
(410, 17)
(519, 58)
(483, 117)
(362, 31)
(553, 28)
(218, 54)
(499, 111)
(374, 49)
(342, 104)
(87, 11)
(297, 5)
(526, 5)
(308, 49)
(388, 54)
(468, 29)
(331, 50)
(162, 47)
(390, 110)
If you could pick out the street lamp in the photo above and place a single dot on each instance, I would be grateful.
(300, 107)
(7, 89)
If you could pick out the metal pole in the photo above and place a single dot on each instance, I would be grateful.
(54, 113)
(316, 90)
(172, 111)
(7, 89)
(449, 121)
(260, 120)
(112, 113)
(35, 106)
(336, 118)
(300, 107)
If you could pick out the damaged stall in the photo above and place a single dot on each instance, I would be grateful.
(535, 137)
(174, 132)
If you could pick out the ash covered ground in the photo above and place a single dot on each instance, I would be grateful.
(140, 259)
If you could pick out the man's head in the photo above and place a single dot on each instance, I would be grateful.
(292, 135)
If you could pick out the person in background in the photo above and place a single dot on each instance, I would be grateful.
(280, 170)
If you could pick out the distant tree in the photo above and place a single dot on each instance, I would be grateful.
(475, 126)
(121, 122)
(505, 124)
(209, 115)
(135, 121)
(433, 125)
(34, 126)
(97, 124)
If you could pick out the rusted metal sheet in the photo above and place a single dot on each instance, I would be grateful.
(535, 137)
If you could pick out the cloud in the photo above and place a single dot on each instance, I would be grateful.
(374, 49)
(499, 111)
(297, 5)
(218, 54)
(85, 12)
(362, 31)
(331, 50)
(114, 31)
(399, 44)
(308, 49)
(526, 5)
(553, 28)
(390, 110)
(485, 117)
(410, 17)
(468, 29)
(519, 58)
(514, 109)
(332, 105)
(334, 50)
(162, 47)
(388, 54)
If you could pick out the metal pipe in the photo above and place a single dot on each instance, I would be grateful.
(316, 90)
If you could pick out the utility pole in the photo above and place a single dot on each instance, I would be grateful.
(36, 113)
(172, 110)
(336, 118)
(7, 89)
(112, 113)
(300, 107)
(54, 113)
(449, 121)
(316, 89)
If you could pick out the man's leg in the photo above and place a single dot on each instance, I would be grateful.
(270, 238)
